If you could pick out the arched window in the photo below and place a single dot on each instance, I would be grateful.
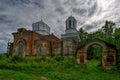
(20, 47)
(73, 24)
(70, 24)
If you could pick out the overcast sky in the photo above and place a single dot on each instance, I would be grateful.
(90, 14)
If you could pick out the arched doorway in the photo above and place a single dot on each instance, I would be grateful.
(94, 52)
(108, 55)
(94, 55)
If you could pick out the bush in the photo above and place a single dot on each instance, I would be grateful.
(43, 57)
(118, 63)
(59, 58)
(18, 58)
(69, 62)
(37, 59)
(3, 56)
(118, 66)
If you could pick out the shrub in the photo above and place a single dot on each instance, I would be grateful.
(3, 56)
(50, 60)
(59, 58)
(18, 58)
(37, 59)
(43, 57)
(118, 64)
(69, 62)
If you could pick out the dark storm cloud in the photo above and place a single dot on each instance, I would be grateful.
(88, 27)
(87, 12)
(39, 4)
(25, 3)
(91, 27)
(6, 37)
(60, 10)
(4, 19)
(81, 12)
(70, 2)
(15, 2)
(92, 10)
(1, 8)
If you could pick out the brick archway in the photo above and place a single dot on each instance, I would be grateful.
(109, 52)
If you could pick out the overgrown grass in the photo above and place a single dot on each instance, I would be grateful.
(14, 75)
(56, 68)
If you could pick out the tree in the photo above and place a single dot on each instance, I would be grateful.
(117, 37)
(108, 29)
(82, 35)
(98, 34)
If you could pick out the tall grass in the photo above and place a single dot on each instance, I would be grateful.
(57, 68)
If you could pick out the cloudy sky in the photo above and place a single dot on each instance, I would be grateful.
(90, 14)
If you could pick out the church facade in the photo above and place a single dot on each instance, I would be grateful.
(39, 40)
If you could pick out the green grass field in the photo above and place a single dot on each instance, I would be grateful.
(57, 68)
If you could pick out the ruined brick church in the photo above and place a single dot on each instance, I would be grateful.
(39, 40)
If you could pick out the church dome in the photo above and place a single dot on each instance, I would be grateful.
(41, 28)
(71, 18)
(71, 23)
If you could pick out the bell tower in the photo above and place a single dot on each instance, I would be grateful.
(71, 37)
